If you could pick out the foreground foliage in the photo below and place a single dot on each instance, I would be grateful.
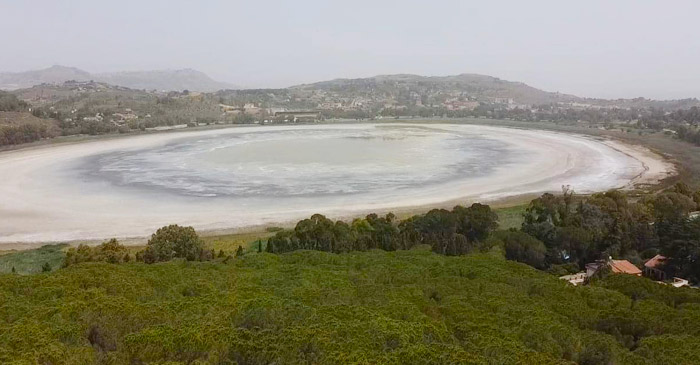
(362, 307)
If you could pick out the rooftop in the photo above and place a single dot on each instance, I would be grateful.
(655, 261)
(624, 267)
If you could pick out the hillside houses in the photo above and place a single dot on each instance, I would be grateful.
(615, 266)
(653, 269)
(592, 269)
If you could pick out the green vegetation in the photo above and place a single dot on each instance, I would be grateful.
(10, 103)
(230, 242)
(580, 230)
(173, 242)
(18, 126)
(30, 261)
(510, 217)
(409, 306)
(559, 233)
(110, 251)
(455, 232)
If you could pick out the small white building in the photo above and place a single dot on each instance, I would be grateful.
(575, 279)
(678, 282)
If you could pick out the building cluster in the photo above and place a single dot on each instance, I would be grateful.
(653, 269)
(124, 117)
(247, 108)
(271, 114)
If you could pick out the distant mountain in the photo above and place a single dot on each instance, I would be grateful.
(168, 80)
(51, 75)
(473, 85)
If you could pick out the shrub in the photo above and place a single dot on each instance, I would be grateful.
(173, 241)
(46, 267)
(109, 251)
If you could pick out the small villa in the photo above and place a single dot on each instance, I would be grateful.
(616, 267)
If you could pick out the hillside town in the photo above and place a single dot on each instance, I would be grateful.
(92, 107)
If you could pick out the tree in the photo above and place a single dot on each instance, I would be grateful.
(109, 251)
(239, 251)
(438, 227)
(672, 206)
(476, 222)
(46, 267)
(521, 247)
(174, 241)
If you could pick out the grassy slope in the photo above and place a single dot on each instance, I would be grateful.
(230, 242)
(510, 217)
(315, 307)
(30, 261)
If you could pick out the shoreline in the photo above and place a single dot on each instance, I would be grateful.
(656, 169)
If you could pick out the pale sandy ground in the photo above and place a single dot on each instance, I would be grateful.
(41, 202)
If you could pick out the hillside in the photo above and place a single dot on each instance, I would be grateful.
(100, 107)
(435, 89)
(18, 125)
(478, 87)
(369, 307)
(15, 119)
(167, 80)
(77, 104)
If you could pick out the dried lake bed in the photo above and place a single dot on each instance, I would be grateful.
(248, 176)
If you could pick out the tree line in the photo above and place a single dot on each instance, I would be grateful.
(560, 233)
(449, 232)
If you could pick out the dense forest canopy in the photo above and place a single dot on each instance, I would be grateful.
(408, 306)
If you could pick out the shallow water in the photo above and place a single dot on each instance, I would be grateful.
(299, 163)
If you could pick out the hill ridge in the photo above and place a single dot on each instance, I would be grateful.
(166, 79)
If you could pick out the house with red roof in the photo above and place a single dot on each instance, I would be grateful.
(653, 268)
(616, 267)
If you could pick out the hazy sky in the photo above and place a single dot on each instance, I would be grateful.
(611, 48)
